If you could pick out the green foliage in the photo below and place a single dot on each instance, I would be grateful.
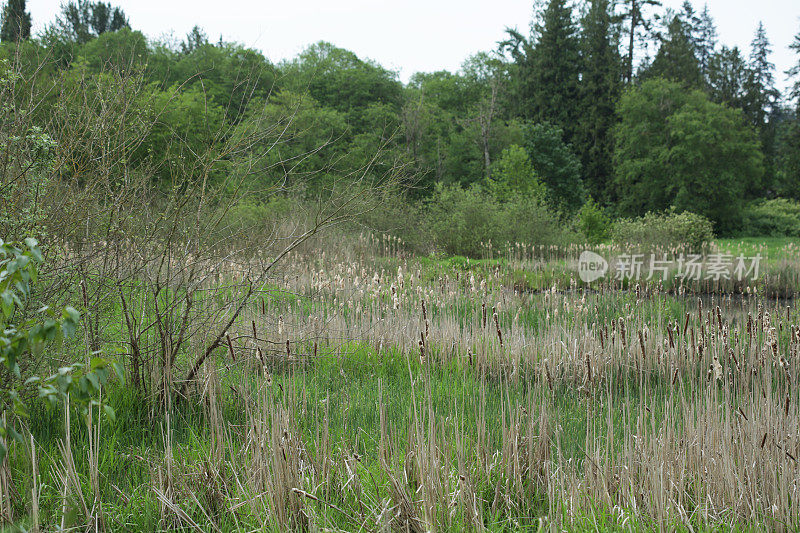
(675, 148)
(339, 79)
(787, 179)
(554, 73)
(81, 21)
(27, 152)
(186, 125)
(727, 77)
(558, 167)
(676, 60)
(230, 75)
(120, 50)
(15, 22)
(22, 341)
(778, 217)
(514, 175)
(464, 221)
(593, 222)
(599, 89)
(668, 230)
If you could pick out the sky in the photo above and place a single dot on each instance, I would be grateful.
(410, 35)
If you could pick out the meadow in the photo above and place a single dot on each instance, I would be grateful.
(364, 388)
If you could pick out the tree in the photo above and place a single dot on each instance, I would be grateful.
(705, 40)
(230, 75)
(484, 77)
(761, 99)
(515, 176)
(81, 21)
(727, 77)
(761, 92)
(676, 59)
(338, 78)
(16, 22)
(558, 167)
(551, 69)
(635, 14)
(599, 90)
(787, 170)
(677, 149)
(194, 40)
(794, 73)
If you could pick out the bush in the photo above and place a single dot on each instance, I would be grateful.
(686, 230)
(593, 222)
(463, 221)
(772, 218)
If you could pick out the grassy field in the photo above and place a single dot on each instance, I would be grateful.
(371, 390)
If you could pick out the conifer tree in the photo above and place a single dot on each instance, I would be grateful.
(636, 18)
(555, 69)
(600, 89)
(676, 59)
(16, 22)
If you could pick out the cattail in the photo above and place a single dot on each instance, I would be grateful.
(288, 349)
(483, 309)
(255, 335)
(549, 378)
(588, 368)
(763, 440)
(686, 324)
(641, 344)
(497, 325)
(422, 352)
(671, 339)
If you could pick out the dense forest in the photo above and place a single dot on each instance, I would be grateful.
(604, 110)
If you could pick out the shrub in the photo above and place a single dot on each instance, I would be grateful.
(772, 218)
(686, 230)
(462, 221)
(593, 222)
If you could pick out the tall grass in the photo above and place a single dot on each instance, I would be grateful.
(376, 392)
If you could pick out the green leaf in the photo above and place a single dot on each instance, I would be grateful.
(110, 412)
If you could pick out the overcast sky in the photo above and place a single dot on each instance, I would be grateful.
(410, 35)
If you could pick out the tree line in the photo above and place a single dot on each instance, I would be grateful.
(625, 105)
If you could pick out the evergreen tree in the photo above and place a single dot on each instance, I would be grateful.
(16, 22)
(794, 73)
(761, 93)
(761, 101)
(635, 16)
(705, 40)
(600, 89)
(556, 69)
(676, 59)
(727, 77)
(81, 21)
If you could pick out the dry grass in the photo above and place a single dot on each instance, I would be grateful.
(373, 391)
